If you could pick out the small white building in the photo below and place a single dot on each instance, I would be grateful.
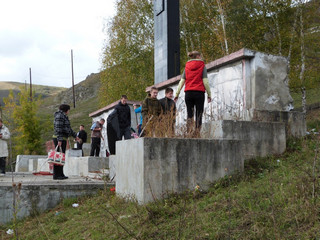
(104, 113)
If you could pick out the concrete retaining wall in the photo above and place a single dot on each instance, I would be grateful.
(295, 121)
(38, 198)
(148, 168)
(82, 166)
(259, 138)
(28, 163)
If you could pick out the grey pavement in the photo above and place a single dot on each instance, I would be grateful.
(30, 179)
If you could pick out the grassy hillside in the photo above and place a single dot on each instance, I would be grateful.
(276, 197)
(77, 116)
(86, 96)
(44, 91)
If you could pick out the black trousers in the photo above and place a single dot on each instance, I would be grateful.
(112, 138)
(126, 132)
(79, 146)
(195, 99)
(57, 169)
(95, 146)
(2, 164)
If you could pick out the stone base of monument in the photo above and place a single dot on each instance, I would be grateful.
(112, 168)
(295, 121)
(40, 193)
(74, 153)
(85, 166)
(86, 147)
(43, 166)
(28, 163)
(259, 138)
(149, 168)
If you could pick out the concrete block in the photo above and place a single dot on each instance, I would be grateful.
(74, 153)
(86, 147)
(259, 138)
(295, 121)
(35, 198)
(112, 168)
(23, 164)
(30, 168)
(149, 168)
(81, 166)
(43, 165)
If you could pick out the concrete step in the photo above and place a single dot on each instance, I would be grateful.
(37, 193)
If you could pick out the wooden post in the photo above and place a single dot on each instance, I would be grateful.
(74, 99)
(30, 84)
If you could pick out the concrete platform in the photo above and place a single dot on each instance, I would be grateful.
(83, 166)
(37, 193)
(30, 179)
(260, 139)
(149, 168)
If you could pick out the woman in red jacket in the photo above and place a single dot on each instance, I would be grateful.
(196, 83)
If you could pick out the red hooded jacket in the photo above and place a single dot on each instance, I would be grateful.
(193, 72)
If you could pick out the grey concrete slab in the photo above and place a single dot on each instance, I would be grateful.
(259, 138)
(295, 121)
(149, 168)
(27, 163)
(82, 166)
(36, 193)
(31, 179)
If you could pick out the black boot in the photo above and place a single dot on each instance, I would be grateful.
(62, 174)
(58, 173)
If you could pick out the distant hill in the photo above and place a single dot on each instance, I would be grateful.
(86, 98)
(83, 91)
(44, 91)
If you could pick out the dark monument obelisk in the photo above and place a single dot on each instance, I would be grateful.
(166, 40)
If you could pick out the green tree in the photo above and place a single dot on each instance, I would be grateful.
(213, 27)
(128, 54)
(24, 124)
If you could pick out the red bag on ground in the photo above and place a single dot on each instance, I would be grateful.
(55, 157)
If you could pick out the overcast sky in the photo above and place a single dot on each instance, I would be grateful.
(39, 34)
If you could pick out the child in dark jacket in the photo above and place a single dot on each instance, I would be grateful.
(151, 110)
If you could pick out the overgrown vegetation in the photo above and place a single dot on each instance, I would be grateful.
(277, 197)
(23, 122)
(215, 28)
(128, 55)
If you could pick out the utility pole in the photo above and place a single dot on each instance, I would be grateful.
(74, 99)
(30, 84)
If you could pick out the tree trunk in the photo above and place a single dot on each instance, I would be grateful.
(303, 89)
(223, 27)
(291, 38)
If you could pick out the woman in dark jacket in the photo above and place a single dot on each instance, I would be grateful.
(62, 130)
(196, 83)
